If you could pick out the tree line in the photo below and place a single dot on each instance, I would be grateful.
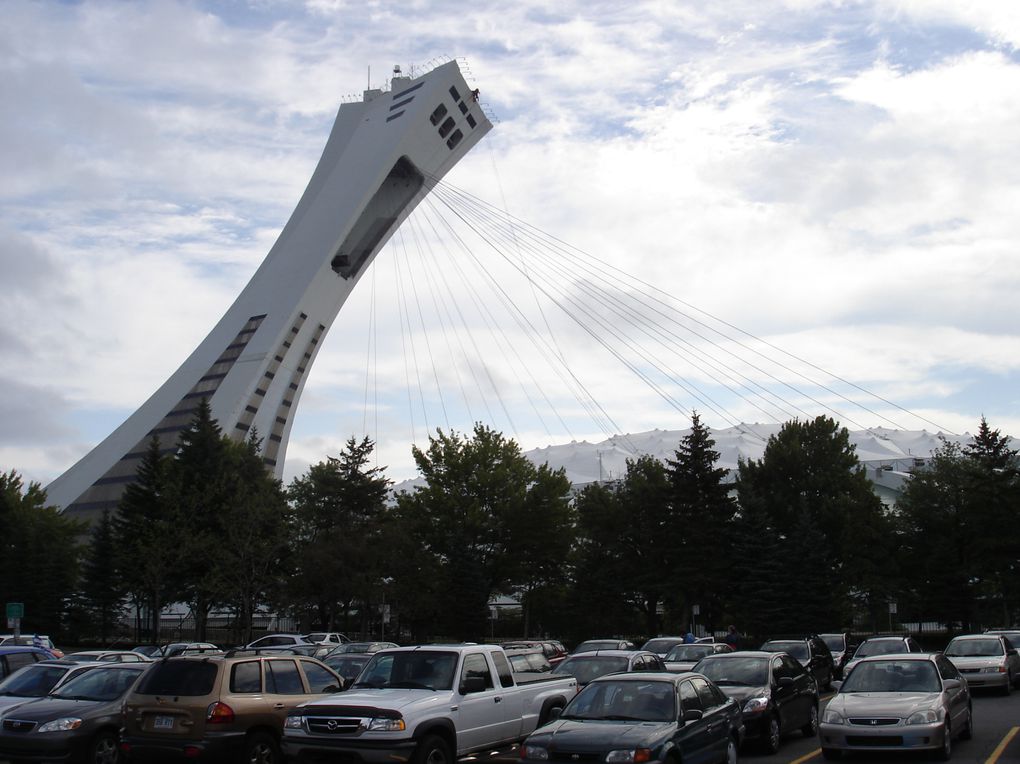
(797, 541)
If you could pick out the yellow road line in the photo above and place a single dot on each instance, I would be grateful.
(1002, 746)
(807, 756)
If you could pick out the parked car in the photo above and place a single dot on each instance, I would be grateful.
(178, 648)
(776, 694)
(986, 660)
(881, 645)
(657, 717)
(14, 657)
(149, 651)
(842, 646)
(277, 640)
(684, 657)
(587, 666)
(78, 721)
(330, 638)
(31, 640)
(528, 659)
(347, 665)
(553, 651)
(38, 679)
(603, 644)
(107, 656)
(426, 704)
(218, 707)
(898, 702)
(1013, 635)
(812, 654)
(662, 645)
(362, 647)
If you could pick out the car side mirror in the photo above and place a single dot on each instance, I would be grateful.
(554, 714)
(692, 715)
(836, 685)
(951, 684)
(472, 684)
(333, 688)
(1012, 651)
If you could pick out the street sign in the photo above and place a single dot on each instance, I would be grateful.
(15, 610)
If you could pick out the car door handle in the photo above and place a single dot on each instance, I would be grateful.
(497, 699)
(278, 705)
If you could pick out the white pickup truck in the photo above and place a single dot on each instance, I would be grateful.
(425, 705)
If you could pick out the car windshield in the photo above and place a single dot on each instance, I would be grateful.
(689, 653)
(584, 668)
(750, 672)
(653, 701)
(353, 647)
(834, 642)
(32, 681)
(797, 649)
(99, 684)
(893, 676)
(880, 647)
(420, 669)
(347, 666)
(661, 645)
(974, 648)
(597, 644)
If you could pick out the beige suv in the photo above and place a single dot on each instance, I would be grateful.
(219, 708)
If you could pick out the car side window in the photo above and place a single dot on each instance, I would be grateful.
(282, 678)
(780, 668)
(476, 666)
(506, 677)
(792, 668)
(708, 698)
(246, 677)
(689, 699)
(946, 668)
(318, 678)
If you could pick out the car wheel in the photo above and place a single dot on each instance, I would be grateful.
(968, 732)
(772, 734)
(104, 749)
(261, 748)
(832, 754)
(811, 728)
(945, 753)
(432, 750)
(731, 752)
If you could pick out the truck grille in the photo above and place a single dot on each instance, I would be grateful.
(334, 725)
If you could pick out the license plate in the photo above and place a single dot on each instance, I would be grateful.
(163, 723)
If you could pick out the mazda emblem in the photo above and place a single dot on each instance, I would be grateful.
(331, 725)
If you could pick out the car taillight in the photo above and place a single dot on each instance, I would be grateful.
(219, 713)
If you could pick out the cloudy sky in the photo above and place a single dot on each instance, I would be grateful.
(840, 179)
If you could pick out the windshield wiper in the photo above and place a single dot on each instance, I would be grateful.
(413, 686)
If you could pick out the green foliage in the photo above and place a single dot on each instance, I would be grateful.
(102, 589)
(39, 553)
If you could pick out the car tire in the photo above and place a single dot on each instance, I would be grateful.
(432, 750)
(104, 749)
(945, 753)
(811, 728)
(1007, 688)
(261, 748)
(731, 752)
(773, 732)
(967, 732)
(832, 754)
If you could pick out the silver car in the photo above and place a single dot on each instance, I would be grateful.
(906, 702)
(986, 660)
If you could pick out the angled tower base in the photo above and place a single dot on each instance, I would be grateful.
(383, 156)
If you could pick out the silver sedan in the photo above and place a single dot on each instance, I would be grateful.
(907, 702)
(985, 660)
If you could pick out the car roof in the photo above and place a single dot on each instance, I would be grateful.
(900, 657)
(644, 676)
(986, 635)
(610, 653)
(9, 649)
(744, 654)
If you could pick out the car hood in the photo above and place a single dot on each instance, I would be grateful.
(44, 709)
(975, 661)
(397, 698)
(742, 693)
(884, 703)
(592, 735)
(677, 666)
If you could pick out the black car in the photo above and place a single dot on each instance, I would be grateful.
(640, 717)
(78, 721)
(775, 693)
(812, 653)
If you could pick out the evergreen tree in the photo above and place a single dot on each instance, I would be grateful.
(102, 589)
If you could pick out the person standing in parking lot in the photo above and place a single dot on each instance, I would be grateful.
(688, 638)
(732, 637)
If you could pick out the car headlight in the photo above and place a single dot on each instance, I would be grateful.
(294, 723)
(832, 716)
(629, 756)
(61, 725)
(928, 716)
(756, 705)
(535, 752)
(386, 725)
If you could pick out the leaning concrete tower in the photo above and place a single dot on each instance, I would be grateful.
(383, 156)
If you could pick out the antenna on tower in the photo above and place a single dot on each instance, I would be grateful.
(368, 86)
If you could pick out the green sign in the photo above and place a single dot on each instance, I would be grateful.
(15, 610)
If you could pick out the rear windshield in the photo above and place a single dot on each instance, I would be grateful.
(32, 682)
(974, 648)
(881, 647)
(798, 650)
(585, 668)
(179, 677)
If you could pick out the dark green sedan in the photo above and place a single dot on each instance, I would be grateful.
(642, 717)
